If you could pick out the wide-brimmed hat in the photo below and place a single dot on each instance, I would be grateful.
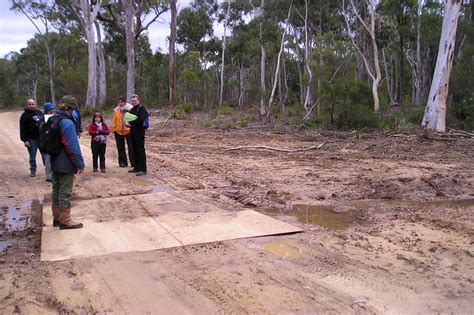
(68, 101)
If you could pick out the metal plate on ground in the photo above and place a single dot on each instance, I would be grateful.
(149, 222)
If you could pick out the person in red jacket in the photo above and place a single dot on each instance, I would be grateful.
(98, 131)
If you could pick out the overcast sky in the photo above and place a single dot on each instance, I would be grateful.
(16, 29)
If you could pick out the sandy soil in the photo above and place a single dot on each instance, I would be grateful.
(387, 219)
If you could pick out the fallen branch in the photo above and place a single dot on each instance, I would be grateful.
(440, 138)
(262, 147)
(463, 133)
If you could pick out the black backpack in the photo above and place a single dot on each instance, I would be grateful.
(50, 137)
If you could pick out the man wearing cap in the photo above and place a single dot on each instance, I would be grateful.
(67, 163)
(48, 112)
(30, 121)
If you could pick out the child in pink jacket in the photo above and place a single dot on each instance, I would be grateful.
(98, 131)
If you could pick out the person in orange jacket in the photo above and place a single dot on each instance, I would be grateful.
(122, 133)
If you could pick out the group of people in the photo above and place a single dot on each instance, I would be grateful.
(60, 169)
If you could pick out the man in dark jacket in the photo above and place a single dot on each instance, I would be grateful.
(137, 130)
(67, 163)
(30, 121)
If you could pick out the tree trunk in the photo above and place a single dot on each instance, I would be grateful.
(86, 16)
(435, 112)
(102, 79)
(387, 78)
(91, 67)
(418, 55)
(241, 84)
(129, 13)
(277, 68)
(49, 54)
(377, 76)
(262, 64)
(172, 57)
(307, 57)
(221, 92)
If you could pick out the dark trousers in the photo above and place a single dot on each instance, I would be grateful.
(98, 152)
(138, 144)
(33, 148)
(62, 189)
(122, 156)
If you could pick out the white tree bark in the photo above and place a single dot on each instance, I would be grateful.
(101, 80)
(377, 76)
(307, 60)
(277, 68)
(172, 57)
(418, 54)
(129, 12)
(86, 18)
(226, 20)
(435, 112)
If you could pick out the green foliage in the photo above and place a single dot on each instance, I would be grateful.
(225, 110)
(399, 122)
(182, 111)
(353, 116)
(462, 115)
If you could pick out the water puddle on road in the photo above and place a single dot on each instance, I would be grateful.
(141, 182)
(13, 219)
(323, 215)
(346, 214)
(4, 245)
(287, 250)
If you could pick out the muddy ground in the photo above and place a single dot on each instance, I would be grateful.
(388, 225)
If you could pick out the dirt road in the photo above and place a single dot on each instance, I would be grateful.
(387, 219)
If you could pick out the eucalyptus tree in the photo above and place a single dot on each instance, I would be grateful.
(85, 13)
(41, 12)
(435, 112)
(172, 57)
(129, 18)
(195, 33)
(372, 66)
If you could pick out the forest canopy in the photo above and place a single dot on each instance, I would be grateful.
(338, 64)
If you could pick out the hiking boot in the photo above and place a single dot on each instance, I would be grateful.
(94, 170)
(102, 170)
(65, 221)
(32, 174)
(55, 210)
(140, 174)
(133, 171)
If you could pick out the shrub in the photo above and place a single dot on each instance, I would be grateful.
(226, 110)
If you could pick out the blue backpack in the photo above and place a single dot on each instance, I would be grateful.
(146, 121)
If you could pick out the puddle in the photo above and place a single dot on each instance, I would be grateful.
(287, 250)
(462, 203)
(157, 189)
(343, 215)
(141, 182)
(14, 219)
(323, 215)
(4, 245)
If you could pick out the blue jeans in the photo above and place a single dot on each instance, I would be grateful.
(32, 152)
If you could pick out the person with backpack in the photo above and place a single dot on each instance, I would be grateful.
(137, 130)
(65, 164)
(122, 133)
(30, 121)
(48, 112)
(98, 130)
